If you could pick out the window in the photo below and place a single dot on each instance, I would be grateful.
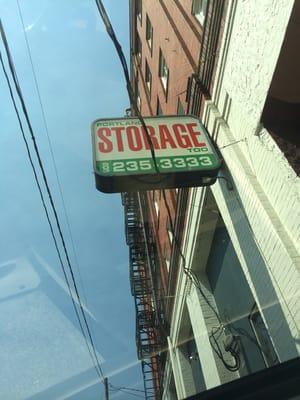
(167, 260)
(167, 255)
(163, 71)
(155, 201)
(170, 234)
(158, 108)
(149, 32)
(153, 195)
(199, 10)
(180, 109)
(137, 91)
(169, 230)
(263, 337)
(148, 77)
(156, 207)
(138, 100)
(139, 9)
(138, 47)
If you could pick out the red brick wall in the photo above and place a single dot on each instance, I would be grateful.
(178, 34)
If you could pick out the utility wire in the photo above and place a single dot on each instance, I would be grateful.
(42, 196)
(118, 47)
(187, 271)
(122, 58)
(127, 392)
(132, 394)
(51, 149)
(216, 347)
(113, 387)
(40, 163)
(50, 146)
(190, 274)
(193, 278)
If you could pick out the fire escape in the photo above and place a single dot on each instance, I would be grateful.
(142, 269)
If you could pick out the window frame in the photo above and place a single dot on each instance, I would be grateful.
(139, 9)
(137, 91)
(138, 47)
(149, 33)
(199, 10)
(156, 206)
(169, 231)
(259, 335)
(167, 256)
(159, 110)
(148, 77)
(162, 67)
(180, 108)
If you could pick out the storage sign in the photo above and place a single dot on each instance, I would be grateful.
(183, 152)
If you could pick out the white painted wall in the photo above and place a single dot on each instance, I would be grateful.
(265, 205)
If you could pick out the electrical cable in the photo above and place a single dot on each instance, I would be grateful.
(51, 150)
(122, 58)
(193, 278)
(50, 146)
(232, 143)
(128, 392)
(40, 163)
(218, 351)
(42, 197)
(242, 332)
(120, 388)
(126, 388)
(188, 272)
(191, 275)
(118, 47)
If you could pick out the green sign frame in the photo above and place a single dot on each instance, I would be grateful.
(184, 154)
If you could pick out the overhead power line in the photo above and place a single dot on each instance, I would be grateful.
(127, 392)
(93, 353)
(50, 146)
(122, 58)
(114, 387)
(191, 276)
(41, 195)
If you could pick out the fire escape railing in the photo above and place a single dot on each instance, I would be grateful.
(150, 339)
(199, 84)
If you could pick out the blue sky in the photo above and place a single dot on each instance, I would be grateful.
(80, 80)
